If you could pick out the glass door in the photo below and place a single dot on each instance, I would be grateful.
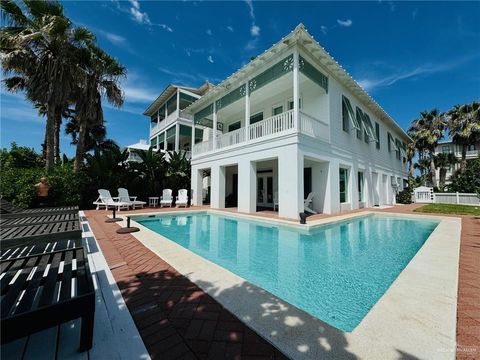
(265, 190)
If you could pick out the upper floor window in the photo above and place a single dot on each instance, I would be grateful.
(234, 126)
(377, 132)
(256, 118)
(445, 149)
(277, 110)
(290, 104)
(172, 105)
(360, 123)
(186, 100)
(349, 120)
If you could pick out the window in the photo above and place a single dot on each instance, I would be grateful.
(256, 118)
(277, 110)
(290, 104)
(348, 115)
(345, 117)
(360, 123)
(234, 126)
(471, 147)
(360, 186)
(172, 104)
(186, 100)
(445, 149)
(390, 141)
(377, 132)
(397, 148)
(343, 185)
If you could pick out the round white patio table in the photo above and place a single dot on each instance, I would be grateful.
(153, 201)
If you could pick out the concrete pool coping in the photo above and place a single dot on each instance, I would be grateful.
(415, 317)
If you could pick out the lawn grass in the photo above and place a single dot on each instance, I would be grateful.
(450, 209)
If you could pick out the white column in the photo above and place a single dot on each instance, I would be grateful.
(178, 102)
(247, 110)
(165, 140)
(332, 195)
(217, 196)
(354, 186)
(247, 181)
(290, 182)
(197, 186)
(214, 145)
(296, 91)
(177, 136)
(192, 143)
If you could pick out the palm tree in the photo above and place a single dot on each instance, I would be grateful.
(428, 130)
(99, 79)
(38, 49)
(443, 161)
(410, 151)
(151, 169)
(464, 128)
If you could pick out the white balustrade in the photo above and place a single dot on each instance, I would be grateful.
(231, 138)
(314, 127)
(203, 147)
(272, 125)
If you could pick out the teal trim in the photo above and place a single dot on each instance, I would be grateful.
(359, 117)
(369, 130)
(199, 117)
(351, 114)
(377, 133)
(231, 97)
(276, 71)
(313, 74)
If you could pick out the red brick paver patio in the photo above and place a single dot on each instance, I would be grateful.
(175, 318)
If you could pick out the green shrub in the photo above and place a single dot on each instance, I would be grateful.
(469, 182)
(404, 197)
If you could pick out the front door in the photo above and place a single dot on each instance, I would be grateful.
(265, 189)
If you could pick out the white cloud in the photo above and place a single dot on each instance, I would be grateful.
(324, 29)
(346, 23)
(255, 30)
(230, 28)
(210, 59)
(137, 14)
(209, 32)
(414, 14)
(250, 6)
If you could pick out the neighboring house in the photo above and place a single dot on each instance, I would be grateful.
(170, 127)
(290, 122)
(447, 146)
(133, 156)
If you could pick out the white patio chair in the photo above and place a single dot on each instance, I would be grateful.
(123, 196)
(307, 203)
(275, 200)
(106, 199)
(166, 199)
(182, 198)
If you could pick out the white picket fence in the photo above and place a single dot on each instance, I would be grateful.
(423, 195)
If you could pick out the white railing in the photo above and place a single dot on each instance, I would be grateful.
(272, 125)
(203, 147)
(469, 153)
(164, 123)
(457, 198)
(231, 138)
(314, 127)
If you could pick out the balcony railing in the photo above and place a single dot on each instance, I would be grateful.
(268, 129)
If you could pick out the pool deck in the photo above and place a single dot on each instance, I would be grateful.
(131, 262)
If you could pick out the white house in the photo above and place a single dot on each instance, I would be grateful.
(290, 122)
(447, 146)
(170, 127)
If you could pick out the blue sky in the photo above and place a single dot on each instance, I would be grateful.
(410, 56)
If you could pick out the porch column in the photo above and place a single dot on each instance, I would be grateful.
(158, 116)
(165, 140)
(247, 180)
(197, 186)
(332, 195)
(217, 197)
(290, 183)
(296, 91)
(247, 111)
(214, 145)
(177, 137)
(192, 143)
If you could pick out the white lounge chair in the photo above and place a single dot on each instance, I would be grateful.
(166, 199)
(275, 200)
(307, 202)
(182, 198)
(123, 196)
(106, 199)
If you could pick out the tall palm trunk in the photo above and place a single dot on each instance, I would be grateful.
(58, 123)
(50, 136)
(463, 162)
(79, 153)
(411, 168)
(432, 169)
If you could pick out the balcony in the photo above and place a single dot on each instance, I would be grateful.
(267, 129)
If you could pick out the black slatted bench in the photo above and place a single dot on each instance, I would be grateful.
(33, 299)
(39, 248)
(14, 236)
(37, 219)
(7, 209)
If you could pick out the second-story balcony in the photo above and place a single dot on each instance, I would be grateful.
(267, 129)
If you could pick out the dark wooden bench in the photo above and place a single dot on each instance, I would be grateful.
(37, 219)
(13, 236)
(7, 209)
(39, 248)
(32, 300)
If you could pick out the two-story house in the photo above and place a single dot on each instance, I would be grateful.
(447, 146)
(290, 122)
(170, 127)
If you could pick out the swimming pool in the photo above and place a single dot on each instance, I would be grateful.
(335, 272)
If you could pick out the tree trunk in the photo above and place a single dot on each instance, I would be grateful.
(463, 162)
(411, 168)
(432, 170)
(58, 123)
(50, 135)
(79, 153)
(443, 175)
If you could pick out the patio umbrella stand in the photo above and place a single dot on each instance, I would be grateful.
(113, 218)
(129, 229)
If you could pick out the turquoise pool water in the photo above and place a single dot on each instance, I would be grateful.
(335, 272)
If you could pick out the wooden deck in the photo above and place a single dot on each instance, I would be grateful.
(115, 334)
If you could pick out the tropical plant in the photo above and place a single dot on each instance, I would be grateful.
(444, 161)
(39, 50)
(469, 181)
(150, 171)
(410, 152)
(464, 128)
(100, 79)
(178, 170)
(427, 130)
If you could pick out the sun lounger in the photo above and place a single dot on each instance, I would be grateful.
(105, 199)
(34, 218)
(40, 247)
(123, 196)
(307, 203)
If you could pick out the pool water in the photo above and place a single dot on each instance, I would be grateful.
(335, 272)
